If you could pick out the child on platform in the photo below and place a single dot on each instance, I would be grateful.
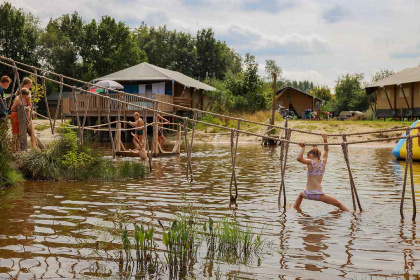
(316, 169)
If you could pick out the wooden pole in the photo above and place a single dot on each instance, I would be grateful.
(22, 136)
(155, 131)
(118, 145)
(273, 110)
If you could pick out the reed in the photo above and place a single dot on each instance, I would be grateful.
(181, 242)
(231, 240)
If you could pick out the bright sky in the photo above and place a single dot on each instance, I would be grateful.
(317, 40)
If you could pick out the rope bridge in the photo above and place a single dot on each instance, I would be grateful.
(283, 139)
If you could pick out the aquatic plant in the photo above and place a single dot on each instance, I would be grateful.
(181, 242)
(227, 240)
(66, 159)
(231, 240)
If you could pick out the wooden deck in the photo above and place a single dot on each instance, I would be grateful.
(98, 106)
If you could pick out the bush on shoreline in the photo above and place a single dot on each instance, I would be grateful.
(68, 160)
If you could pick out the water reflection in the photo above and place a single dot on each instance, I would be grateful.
(53, 230)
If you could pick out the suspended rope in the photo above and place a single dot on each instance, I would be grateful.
(354, 194)
(201, 111)
(194, 122)
(149, 154)
(46, 103)
(233, 153)
(283, 163)
(13, 89)
(155, 128)
(111, 138)
(82, 129)
(233, 182)
(16, 79)
(187, 149)
(60, 94)
(35, 90)
(409, 165)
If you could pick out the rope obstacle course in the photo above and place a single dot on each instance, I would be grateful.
(283, 139)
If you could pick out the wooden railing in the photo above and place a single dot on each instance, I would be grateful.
(93, 103)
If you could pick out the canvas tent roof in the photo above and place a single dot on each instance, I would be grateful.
(408, 75)
(281, 91)
(148, 72)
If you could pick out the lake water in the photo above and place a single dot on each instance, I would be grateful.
(49, 229)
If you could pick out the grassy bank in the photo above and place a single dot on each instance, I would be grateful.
(8, 175)
(67, 160)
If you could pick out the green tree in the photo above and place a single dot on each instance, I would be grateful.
(211, 63)
(60, 45)
(304, 86)
(271, 67)
(19, 33)
(108, 47)
(168, 49)
(350, 93)
(322, 92)
(381, 74)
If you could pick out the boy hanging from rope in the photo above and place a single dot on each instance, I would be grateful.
(316, 169)
(138, 137)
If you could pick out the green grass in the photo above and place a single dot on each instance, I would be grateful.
(180, 241)
(41, 127)
(8, 174)
(232, 241)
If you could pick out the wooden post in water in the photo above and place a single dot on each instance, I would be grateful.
(23, 124)
(118, 140)
(178, 139)
(155, 130)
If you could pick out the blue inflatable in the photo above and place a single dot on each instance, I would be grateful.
(400, 150)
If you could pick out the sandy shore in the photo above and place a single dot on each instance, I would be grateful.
(43, 131)
(331, 127)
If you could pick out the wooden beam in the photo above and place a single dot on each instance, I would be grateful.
(412, 100)
(405, 97)
(173, 87)
(22, 136)
(389, 101)
(395, 100)
(182, 93)
(370, 103)
(273, 108)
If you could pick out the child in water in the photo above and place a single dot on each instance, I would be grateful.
(316, 169)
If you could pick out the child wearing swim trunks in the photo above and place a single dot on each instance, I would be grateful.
(316, 169)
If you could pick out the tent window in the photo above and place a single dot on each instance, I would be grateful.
(383, 94)
(406, 91)
(149, 88)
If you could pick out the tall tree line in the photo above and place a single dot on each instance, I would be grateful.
(89, 49)
(72, 46)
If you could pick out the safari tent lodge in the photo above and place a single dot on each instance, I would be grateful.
(297, 101)
(142, 80)
(397, 96)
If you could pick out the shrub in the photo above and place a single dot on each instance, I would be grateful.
(66, 159)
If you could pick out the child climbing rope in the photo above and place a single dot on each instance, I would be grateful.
(316, 169)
